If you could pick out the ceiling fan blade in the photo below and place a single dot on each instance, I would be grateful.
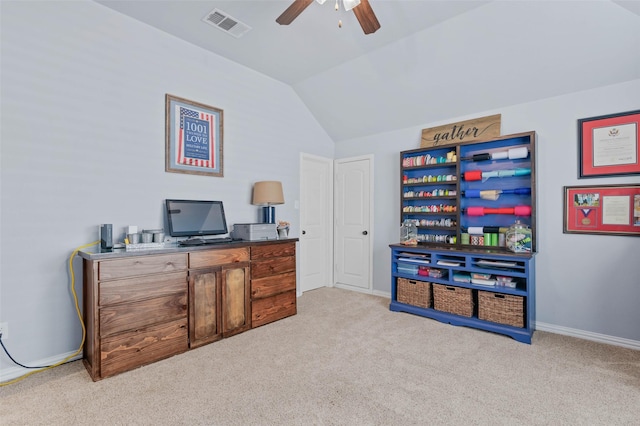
(366, 17)
(293, 11)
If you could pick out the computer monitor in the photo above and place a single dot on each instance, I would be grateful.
(195, 218)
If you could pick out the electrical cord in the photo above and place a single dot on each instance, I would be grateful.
(84, 330)
(14, 361)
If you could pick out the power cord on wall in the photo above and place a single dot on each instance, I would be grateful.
(84, 330)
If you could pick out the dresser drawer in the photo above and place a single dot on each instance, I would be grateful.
(275, 266)
(273, 250)
(123, 352)
(208, 258)
(146, 287)
(131, 316)
(269, 309)
(141, 265)
(269, 286)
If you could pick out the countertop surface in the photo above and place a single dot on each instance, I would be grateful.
(98, 253)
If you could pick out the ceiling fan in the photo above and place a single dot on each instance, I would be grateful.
(361, 8)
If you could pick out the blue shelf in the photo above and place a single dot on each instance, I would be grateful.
(523, 270)
(520, 334)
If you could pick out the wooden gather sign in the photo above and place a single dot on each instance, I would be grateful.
(462, 132)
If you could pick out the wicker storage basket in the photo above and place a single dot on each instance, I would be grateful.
(455, 300)
(501, 308)
(414, 292)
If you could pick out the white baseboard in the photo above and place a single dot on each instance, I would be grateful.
(588, 335)
(352, 288)
(8, 374)
(15, 372)
(566, 331)
(382, 294)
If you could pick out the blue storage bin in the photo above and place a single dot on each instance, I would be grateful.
(407, 268)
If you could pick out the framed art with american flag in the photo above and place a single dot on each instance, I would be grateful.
(193, 137)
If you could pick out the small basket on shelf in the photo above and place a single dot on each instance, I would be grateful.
(501, 308)
(455, 300)
(414, 292)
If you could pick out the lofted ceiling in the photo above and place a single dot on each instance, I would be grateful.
(430, 60)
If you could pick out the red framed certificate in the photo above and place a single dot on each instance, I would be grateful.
(602, 209)
(609, 145)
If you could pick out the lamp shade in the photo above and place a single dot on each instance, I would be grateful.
(350, 4)
(267, 193)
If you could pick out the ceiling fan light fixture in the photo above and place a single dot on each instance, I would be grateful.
(361, 9)
(350, 4)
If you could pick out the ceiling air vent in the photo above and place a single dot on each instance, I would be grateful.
(224, 22)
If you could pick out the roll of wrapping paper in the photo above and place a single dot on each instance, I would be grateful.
(494, 194)
(481, 211)
(511, 154)
(503, 233)
(475, 230)
(473, 175)
(480, 230)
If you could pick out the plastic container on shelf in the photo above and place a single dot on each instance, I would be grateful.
(409, 233)
(505, 281)
(518, 238)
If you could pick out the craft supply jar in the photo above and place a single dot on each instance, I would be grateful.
(518, 238)
(409, 233)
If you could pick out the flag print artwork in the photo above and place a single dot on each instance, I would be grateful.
(196, 138)
(193, 137)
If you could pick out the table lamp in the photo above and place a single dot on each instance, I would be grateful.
(267, 194)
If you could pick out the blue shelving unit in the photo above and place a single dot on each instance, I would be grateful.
(463, 198)
(519, 267)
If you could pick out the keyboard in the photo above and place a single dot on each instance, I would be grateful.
(205, 241)
(208, 241)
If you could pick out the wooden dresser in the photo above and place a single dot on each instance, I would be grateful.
(140, 307)
(273, 283)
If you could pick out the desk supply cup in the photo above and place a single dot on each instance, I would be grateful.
(133, 238)
(147, 237)
(158, 236)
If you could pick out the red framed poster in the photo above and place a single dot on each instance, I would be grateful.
(609, 145)
(602, 209)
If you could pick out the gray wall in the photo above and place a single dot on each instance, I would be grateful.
(587, 285)
(83, 143)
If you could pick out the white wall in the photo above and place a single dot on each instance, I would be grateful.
(83, 144)
(587, 285)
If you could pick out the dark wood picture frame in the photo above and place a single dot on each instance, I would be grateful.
(602, 209)
(193, 137)
(609, 145)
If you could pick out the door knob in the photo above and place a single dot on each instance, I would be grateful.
(364, 232)
(304, 232)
